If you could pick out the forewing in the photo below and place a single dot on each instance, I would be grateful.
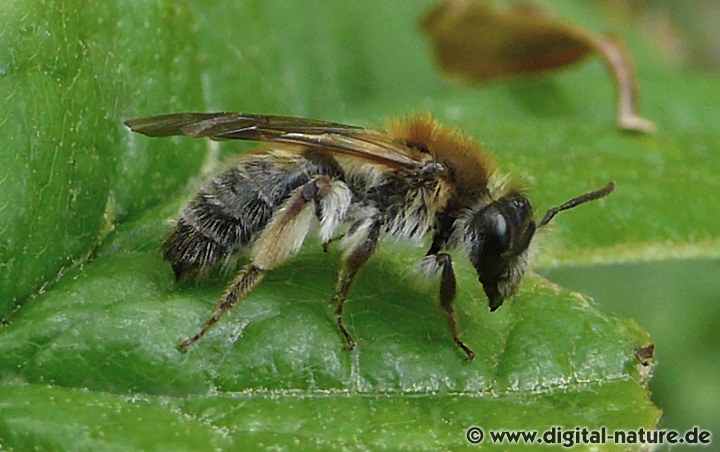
(324, 136)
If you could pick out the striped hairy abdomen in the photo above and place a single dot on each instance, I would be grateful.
(231, 210)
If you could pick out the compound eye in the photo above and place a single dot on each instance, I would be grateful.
(497, 229)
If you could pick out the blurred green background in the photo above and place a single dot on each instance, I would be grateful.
(677, 301)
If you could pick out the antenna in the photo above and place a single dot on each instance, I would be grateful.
(582, 199)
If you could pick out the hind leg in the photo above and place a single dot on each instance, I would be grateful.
(281, 240)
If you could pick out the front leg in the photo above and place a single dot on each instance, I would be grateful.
(448, 290)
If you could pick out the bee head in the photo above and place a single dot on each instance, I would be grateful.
(497, 238)
(498, 235)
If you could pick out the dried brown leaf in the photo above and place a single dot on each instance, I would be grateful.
(476, 42)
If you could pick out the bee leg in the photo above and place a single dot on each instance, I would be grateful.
(361, 242)
(448, 289)
(279, 241)
(326, 245)
(248, 278)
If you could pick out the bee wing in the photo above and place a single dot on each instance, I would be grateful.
(325, 136)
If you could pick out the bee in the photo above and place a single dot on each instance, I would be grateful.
(355, 185)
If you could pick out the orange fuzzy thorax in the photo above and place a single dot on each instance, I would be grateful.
(469, 166)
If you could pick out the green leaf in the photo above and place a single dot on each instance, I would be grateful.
(43, 417)
(86, 205)
(112, 328)
(69, 73)
(98, 421)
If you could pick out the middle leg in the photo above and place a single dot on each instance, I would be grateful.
(360, 242)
